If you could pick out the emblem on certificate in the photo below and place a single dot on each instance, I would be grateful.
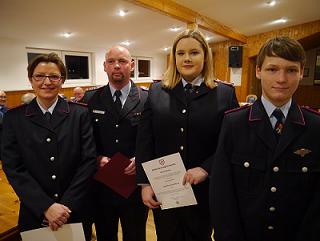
(302, 152)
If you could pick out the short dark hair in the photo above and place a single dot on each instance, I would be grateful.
(47, 58)
(283, 47)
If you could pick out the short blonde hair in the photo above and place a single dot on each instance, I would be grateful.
(172, 77)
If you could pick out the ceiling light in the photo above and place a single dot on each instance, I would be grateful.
(175, 29)
(208, 38)
(281, 20)
(123, 13)
(67, 34)
(166, 48)
(271, 3)
(126, 43)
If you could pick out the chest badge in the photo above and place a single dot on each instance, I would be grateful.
(302, 152)
(101, 112)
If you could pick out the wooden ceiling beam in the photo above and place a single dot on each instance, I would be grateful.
(189, 16)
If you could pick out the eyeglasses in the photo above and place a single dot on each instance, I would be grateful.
(3, 97)
(41, 77)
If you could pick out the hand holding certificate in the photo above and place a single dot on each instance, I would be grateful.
(166, 175)
(112, 175)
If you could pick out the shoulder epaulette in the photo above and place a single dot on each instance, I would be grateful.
(144, 88)
(237, 109)
(77, 103)
(93, 88)
(17, 107)
(310, 110)
(224, 82)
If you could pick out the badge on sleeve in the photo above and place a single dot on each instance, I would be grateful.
(302, 152)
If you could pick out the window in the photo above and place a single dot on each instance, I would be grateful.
(142, 70)
(78, 64)
(78, 67)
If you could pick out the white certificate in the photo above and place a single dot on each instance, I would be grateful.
(165, 175)
(68, 232)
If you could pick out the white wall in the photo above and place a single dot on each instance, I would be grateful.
(13, 64)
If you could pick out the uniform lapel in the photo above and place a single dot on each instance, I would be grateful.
(179, 94)
(293, 126)
(61, 111)
(132, 100)
(34, 113)
(202, 90)
(260, 123)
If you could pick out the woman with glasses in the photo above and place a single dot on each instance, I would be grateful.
(183, 113)
(48, 151)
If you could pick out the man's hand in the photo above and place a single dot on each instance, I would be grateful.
(131, 168)
(102, 160)
(195, 176)
(147, 194)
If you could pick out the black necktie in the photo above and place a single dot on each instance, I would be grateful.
(277, 113)
(117, 102)
(190, 90)
(47, 115)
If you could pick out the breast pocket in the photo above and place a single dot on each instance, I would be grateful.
(249, 173)
(302, 160)
(135, 118)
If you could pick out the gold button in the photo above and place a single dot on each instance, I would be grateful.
(272, 209)
(273, 189)
(246, 164)
(304, 169)
(275, 169)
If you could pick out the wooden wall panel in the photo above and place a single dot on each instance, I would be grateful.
(14, 97)
(250, 50)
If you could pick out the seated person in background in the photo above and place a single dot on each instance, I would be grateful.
(3, 101)
(27, 98)
(251, 98)
(78, 94)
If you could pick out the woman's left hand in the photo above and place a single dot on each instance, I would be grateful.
(195, 176)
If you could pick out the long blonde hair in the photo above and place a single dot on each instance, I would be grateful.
(172, 77)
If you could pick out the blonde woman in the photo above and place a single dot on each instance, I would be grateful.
(183, 113)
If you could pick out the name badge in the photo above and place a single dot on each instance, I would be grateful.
(101, 112)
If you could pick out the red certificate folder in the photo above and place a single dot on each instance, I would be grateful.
(112, 175)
